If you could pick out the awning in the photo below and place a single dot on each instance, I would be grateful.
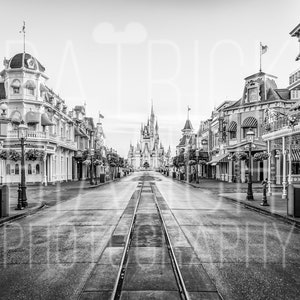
(250, 122)
(232, 126)
(295, 155)
(32, 117)
(45, 121)
(16, 83)
(16, 117)
(219, 159)
(30, 84)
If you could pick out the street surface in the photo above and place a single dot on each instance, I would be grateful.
(73, 250)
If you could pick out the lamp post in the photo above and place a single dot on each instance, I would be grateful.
(197, 164)
(250, 137)
(22, 197)
(92, 159)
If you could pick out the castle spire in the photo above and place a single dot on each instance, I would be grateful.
(152, 111)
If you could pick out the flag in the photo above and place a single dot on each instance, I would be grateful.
(23, 28)
(101, 116)
(263, 49)
(189, 108)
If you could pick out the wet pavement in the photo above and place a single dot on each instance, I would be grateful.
(73, 249)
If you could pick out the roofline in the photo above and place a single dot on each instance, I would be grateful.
(260, 73)
(295, 30)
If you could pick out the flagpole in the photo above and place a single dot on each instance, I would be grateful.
(24, 37)
(260, 57)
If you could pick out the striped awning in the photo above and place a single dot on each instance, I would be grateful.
(232, 126)
(45, 121)
(32, 117)
(219, 159)
(250, 122)
(295, 155)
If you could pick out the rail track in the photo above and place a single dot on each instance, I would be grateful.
(139, 238)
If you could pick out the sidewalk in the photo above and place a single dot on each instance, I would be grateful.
(237, 192)
(39, 196)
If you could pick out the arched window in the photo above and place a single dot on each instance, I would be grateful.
(17, 169)
(15, 86)
(8, 169)
(29, 169)
(248, 123)
(232, 130)
(37, 169)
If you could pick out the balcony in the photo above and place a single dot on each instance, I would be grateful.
(45, 136)
(277, 131)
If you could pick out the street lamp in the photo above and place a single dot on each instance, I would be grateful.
(197, 164)
(250, 138)
(92, 159)
(22, 197)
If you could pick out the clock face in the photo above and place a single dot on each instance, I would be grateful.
(252, 95)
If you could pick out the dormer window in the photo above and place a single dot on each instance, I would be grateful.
(16, 85)
(30, 87)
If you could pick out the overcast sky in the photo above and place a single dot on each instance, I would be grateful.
(117, 55)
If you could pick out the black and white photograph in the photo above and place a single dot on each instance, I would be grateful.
(150, 150)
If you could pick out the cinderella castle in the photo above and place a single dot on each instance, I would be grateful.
(149, 150)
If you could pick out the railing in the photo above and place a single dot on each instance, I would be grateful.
(41, 135)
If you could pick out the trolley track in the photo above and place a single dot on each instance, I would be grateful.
(132, 240)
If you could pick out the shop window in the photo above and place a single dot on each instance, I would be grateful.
(37, 169)
(17, 169)
(8, 169)
(29, 169)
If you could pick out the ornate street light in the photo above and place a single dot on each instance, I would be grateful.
(22, 197)
(92, 159)
(250, 138)
(197, 164)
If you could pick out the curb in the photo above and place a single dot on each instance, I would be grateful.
(35, 209)
(286, 219)
(21, 215)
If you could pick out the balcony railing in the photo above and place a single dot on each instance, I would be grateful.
(41, 135)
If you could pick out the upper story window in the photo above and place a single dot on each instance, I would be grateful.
(232, 128)
(248, 123)
(30, 88)
(16, 86)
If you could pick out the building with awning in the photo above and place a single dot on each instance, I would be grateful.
(282, 135)
(53, 131)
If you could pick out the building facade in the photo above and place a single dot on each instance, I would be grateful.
(282, 135)
(54, 133)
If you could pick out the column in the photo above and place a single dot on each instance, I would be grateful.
(284, 183)
(45, 169)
